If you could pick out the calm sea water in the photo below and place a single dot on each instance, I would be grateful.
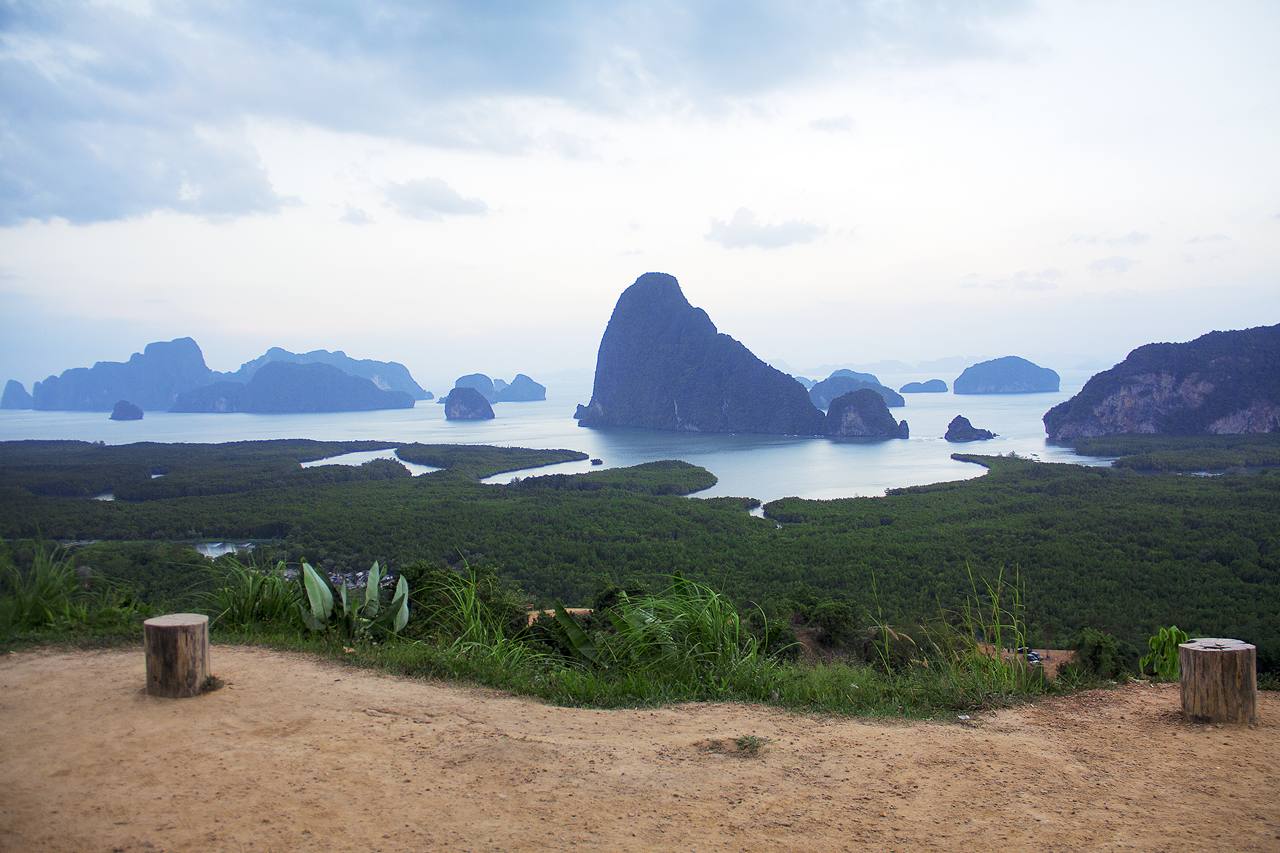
(765, 467)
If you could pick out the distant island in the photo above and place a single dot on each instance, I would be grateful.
(466, 403)
(172, 376)
(125, 411)
(843, 381)
(929, 386)
(387, 375)
(1219, 383)
(863, 414)
(286, 387)
(151, 380)
(522, 389)
(15, 396)
(663, 365)
(1008, 375)
(960, 430)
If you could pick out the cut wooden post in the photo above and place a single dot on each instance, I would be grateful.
(177, 649)
(1219, 680)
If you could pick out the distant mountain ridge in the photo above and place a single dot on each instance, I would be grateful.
(151, 380)
(387, 375)
(1219, 383)
(166, 371)
(288, 387)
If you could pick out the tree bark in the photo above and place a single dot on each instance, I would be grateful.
(177, 650)
(1219, 681)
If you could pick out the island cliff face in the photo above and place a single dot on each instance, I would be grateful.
(1220, 383)
(465, 403)
(15, 396)
(286, 387)
(663, 365)
(863, 414)
(152, 379)
(1007, 375)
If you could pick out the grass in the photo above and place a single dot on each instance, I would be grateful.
(685, 643)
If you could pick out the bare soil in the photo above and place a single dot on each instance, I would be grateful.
(299, 753)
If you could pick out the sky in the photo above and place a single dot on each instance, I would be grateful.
(468, 186)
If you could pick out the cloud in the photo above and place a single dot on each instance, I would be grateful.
(1133, 238)
(833, 124)
(431, 198)
(1115, 264)
(744, 230)
(1023, 280)
(1208, 238)
(114, 110)
(356, 216)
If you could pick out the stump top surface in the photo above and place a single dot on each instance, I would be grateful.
(177, 620)
(1216, 644)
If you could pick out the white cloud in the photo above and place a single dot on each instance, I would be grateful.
(356, 216)
(833, 124)
(745, 230)
(1113, 265)
(431, 198)
(1132, 238)
(1024, 280)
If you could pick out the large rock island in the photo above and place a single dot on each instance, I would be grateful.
(1008, 375)
(286, 387)
(152, 379)
(466, 403)
(1220, 383)
(15, 396)
(663, 365)
(863, 414)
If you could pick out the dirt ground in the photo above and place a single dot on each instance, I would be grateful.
(296, 753)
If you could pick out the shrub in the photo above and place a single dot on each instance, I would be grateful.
(836, 621)
(1100, 654)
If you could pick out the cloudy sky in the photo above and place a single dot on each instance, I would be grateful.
(469, 185)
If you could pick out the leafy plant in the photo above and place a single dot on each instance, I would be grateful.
(358, 616)
(750, 745)
(1162, 658)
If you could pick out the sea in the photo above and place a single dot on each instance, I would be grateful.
(758, 466)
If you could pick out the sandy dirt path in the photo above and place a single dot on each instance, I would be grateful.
(297, 753)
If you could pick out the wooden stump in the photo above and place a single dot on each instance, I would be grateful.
(177, 649)
(1219, 681)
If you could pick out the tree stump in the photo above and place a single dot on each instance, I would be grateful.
(1219, 681)
(177, 649)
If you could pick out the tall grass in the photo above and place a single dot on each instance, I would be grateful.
(253, 595)
(457, 615)
(42, 594)
(51, 593)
